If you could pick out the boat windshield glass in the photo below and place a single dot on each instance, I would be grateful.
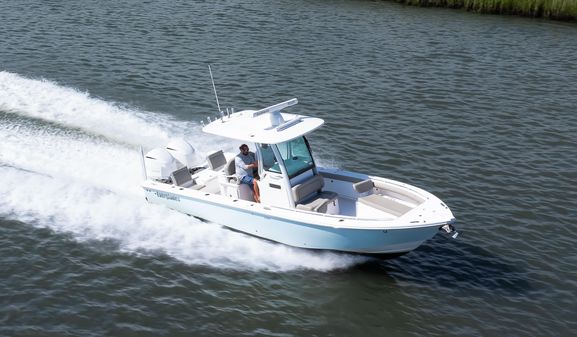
(296, 156)
(266, 157)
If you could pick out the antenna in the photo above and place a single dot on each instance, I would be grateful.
(214, 88)
(142, 162)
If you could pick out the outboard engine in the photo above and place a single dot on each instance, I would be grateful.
(183, 152)
(449, 230)
(160, 164)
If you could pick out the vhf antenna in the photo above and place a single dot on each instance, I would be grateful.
(214, 88)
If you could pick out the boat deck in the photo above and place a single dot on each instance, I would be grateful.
(347, 206)
(379, 204)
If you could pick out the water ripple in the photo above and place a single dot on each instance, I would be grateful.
(479, 110)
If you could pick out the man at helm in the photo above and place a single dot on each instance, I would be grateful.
(245, 164)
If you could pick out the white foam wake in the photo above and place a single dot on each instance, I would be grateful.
(85, 182)
(44, 99)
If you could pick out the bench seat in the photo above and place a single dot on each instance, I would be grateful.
(369, 186)
(385, 204)
(318, 203)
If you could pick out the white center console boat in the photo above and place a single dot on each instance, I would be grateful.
(302, 205)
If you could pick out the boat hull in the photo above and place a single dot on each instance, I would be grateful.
(249, 218)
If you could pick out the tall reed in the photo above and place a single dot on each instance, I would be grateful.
(553, 9)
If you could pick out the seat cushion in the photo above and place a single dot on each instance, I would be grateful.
(398, 192)
(364, 186)
(318, 203)
(230, 167)
(385, 204)
(305, 189)
(182, 177)
(216, 160)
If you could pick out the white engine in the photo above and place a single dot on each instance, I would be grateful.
(183, 152)
(160, 164)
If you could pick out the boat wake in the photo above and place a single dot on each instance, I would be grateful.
(69, 162)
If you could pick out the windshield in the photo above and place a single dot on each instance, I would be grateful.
(266, 157)
(296, 156)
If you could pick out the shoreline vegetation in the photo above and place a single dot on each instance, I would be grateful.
(565, 10)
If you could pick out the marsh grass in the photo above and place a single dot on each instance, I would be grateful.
(553, 9)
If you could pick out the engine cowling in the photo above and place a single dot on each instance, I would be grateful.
(183, 152)
(159, 164)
